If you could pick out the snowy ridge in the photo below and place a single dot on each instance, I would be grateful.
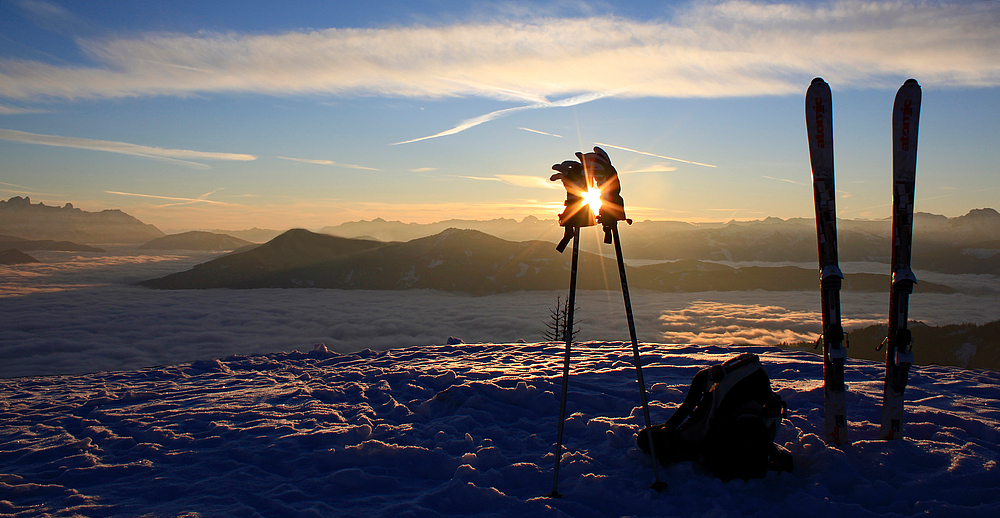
(467, 430)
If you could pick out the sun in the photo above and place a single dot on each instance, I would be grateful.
(593, 198)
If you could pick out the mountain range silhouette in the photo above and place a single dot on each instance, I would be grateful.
(195, 240)
(473, 262)
(37, 221)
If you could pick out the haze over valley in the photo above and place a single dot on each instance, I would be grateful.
(79, 310)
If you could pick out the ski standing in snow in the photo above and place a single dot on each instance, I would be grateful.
(819, 125)
(899, 341)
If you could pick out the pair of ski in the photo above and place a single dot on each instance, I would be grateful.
(899, 355)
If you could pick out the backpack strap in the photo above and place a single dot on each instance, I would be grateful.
(699, 386)
(707, 378)
(670, 447)
(779, 459)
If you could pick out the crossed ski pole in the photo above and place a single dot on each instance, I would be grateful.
(577, 178)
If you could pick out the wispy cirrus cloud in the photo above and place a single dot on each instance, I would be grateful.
(530, 181)
(534, 182)
(41, 9)
(14, 110)
(479, 178)
(327, 162)
(655, 168)
(707, 49)
(21, 189)
(177, 155)
(782, 179)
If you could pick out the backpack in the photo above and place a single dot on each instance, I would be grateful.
(727, 422)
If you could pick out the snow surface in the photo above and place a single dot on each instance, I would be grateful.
(468, 430)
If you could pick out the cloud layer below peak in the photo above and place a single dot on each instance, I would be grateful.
(733, 48)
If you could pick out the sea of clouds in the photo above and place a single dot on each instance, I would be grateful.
(83, 313)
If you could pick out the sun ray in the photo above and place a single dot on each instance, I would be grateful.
(593, 198)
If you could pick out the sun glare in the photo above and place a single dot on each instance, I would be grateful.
(593, 198)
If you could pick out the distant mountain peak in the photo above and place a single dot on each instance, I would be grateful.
(37, 221)
(297, 233)
(196, 240)
(451, 231)
(985, 213)
(18, 201)
(15, 256)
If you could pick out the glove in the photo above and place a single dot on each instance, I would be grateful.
(571, 174)
(576, 213)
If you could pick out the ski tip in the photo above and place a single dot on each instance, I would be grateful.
(817, 80)
(910, 81)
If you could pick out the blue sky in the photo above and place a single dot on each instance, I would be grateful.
(231, 115)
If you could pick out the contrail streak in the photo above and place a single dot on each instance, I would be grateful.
(475, 121)
(540, 132)
(654, 154)
(782, 180)
(185, 201)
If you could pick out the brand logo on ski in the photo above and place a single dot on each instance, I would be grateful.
(904, 130)
(819, 109)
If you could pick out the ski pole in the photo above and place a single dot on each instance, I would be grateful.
(565, 375)
(658, 485)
